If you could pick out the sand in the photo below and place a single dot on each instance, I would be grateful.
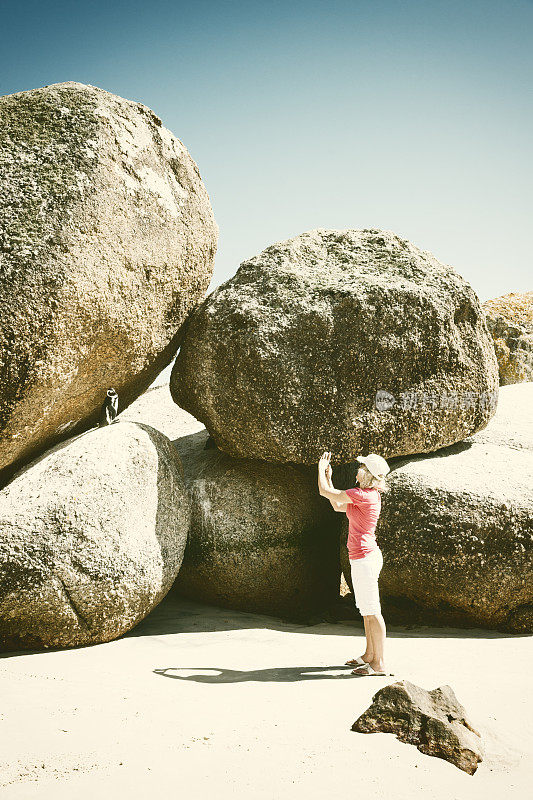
(207, 702)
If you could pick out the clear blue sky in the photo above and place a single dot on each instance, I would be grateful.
(411, 116)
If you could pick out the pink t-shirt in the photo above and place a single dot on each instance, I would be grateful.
(363, 514)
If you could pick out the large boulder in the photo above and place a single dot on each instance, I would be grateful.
(433, 720)
(510, 321)
(351, 341)
(456, 527)
(92, 536)
(107, 240)
(261, 537)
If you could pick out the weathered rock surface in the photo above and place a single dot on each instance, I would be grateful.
(261, 537)
(92, 536)
(107, 240)
(510, 321)
(434, 721)
(286, 359)
(456, 527)
(156, 408)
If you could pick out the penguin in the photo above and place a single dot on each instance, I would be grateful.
(109, 409)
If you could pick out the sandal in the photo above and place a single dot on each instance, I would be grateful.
(368, 671)
(356, 662)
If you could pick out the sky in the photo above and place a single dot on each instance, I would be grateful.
(412, 116)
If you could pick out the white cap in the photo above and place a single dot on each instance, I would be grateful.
(375, 464)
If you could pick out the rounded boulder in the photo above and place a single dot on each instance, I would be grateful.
(261, 538)
(107, 241)
(351, 341)
(92, 536)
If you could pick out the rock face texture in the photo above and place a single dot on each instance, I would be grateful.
(157, 409)
(92, 536)
(107, 240)
(351, 340)
(456, 527)
(510, 321)
(434, 721)
(261, 537)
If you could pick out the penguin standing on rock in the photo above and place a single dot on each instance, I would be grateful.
(109, 409)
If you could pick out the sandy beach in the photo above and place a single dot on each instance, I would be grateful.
(201, 700)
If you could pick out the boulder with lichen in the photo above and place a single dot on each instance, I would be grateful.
(107, 241)
(346, 340)
(92, 536)
(510, 322)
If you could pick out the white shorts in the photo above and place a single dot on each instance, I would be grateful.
(365, 574)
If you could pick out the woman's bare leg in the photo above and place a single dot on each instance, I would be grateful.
(377, 631)
(368, 655)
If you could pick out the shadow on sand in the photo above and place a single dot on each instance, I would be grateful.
(279, 674)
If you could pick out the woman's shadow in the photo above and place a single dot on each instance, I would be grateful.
(279, 674)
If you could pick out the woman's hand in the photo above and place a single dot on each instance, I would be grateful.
(324, 462)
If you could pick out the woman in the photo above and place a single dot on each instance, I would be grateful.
(362, 507)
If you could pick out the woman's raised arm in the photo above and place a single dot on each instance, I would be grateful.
(326, 487)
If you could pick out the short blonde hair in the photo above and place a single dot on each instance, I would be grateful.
(369, 481)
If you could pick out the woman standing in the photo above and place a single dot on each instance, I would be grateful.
(362, 507)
